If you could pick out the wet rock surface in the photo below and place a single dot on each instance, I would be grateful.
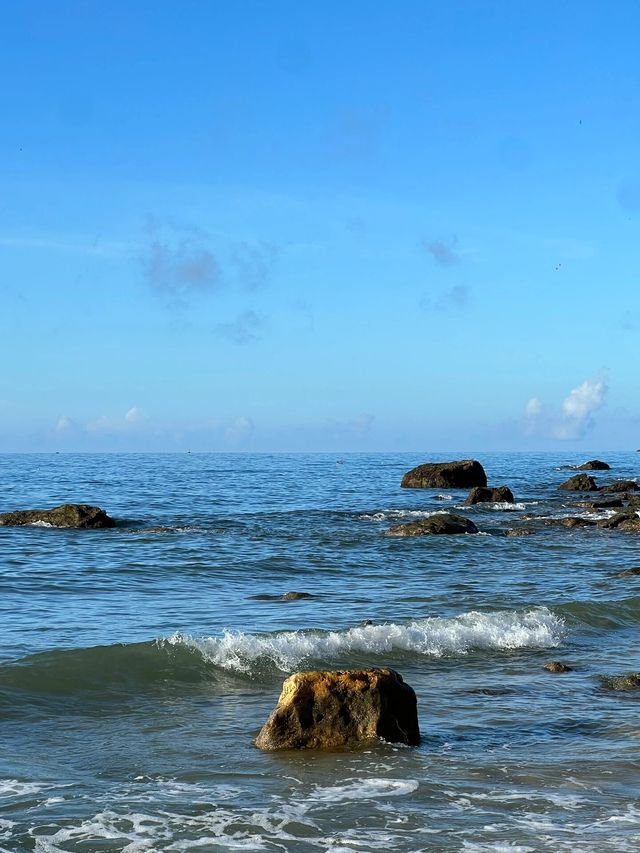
(81, 516)
(594, 465)
(463, 474)
(333, 710)
(436, 525)
(483, 494)
(579, 483)
(617, 520)
(557, 666)
(621, 682)
(620, 486)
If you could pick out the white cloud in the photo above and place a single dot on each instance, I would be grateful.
(576, 414)
(579, 406)
(533, 408)
(241, 429)
(134, 415)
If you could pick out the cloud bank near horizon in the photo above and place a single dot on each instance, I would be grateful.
(575, 417)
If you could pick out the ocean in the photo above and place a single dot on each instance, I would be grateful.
(137, 664)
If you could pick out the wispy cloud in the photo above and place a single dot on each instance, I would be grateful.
(245, 328)
(178, 263)
(575, 416)
(253, 263)
(445, 254)
(454, 298)
(629, 196)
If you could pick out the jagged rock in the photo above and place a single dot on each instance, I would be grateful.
(329, 710)
(579, 483)
(442, 523)
(519, 531)
(481, 494)
(630, 525)
(463, 474)
(619, 519)
(594, 465)
(620, 486)
(66, 515)
(633, 500)
(557, 666)
(621, 682)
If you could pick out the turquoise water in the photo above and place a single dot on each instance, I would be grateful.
(137, 664)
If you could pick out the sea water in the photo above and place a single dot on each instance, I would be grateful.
(137, 664)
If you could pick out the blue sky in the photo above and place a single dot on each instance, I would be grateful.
(319, 226)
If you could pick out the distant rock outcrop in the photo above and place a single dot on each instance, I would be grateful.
(66, 515)
(579, 483)
(594, 465)
(464, 474)
(333, 710)
(481, 494)
(441, 523)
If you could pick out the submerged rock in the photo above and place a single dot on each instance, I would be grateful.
(519, 531)
(331, 710)
(297, 596)
(630, 573)
(621, 682)
(442, 523)
(66, 515)
(594, 465)
(463, 474)
(579, 483)
(482, 494)
(620, 486)
(557, 666)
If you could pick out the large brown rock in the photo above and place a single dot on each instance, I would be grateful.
(579, 483)
(464, 474)
(66, 515)
(331, 710)
(439, 524)
(481, 495)
(594, 465)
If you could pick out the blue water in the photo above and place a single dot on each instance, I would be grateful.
(137, 664)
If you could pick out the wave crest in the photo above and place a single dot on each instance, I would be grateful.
(433, 637)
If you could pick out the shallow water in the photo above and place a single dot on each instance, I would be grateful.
(137, 664)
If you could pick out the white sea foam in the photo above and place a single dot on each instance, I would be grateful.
(240, 652)
(41, 524)
(15, 788)
(363, 789)
(396, 514)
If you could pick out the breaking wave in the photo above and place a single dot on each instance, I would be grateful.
(434, 637)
